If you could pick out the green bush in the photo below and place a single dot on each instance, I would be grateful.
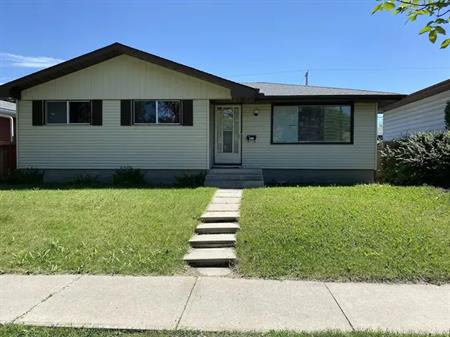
(128, 176)
(191, 180)
(419, 159)
(25, 176)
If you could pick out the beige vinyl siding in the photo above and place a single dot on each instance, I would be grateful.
(263, 154)
(126, 77)
(112, 145)
(424, 115)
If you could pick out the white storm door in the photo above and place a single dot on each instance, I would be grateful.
(227, 134)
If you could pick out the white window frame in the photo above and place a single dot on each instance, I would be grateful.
(67, 111)
(156, 109)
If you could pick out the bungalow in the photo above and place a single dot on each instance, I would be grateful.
(422, 111)
(118, 106)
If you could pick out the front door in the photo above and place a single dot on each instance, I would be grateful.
(227, 134)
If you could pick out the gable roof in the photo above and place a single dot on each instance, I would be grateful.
(13, 88)
(248, 91)
(421, 94)
(281, 89)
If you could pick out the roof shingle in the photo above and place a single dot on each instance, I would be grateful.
(279, 89)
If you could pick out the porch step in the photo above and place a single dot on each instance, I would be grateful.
(217, 228)
(234, 184)
(213, 240)
(234, 178)
(234, 170)
(207, 257)
(224, 216)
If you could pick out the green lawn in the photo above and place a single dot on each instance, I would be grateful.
(24, 331)
(107, 231)
(363, 233)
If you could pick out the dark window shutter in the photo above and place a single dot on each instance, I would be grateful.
(38, 113)
(188, 112)
(97, 112)
(125, 112)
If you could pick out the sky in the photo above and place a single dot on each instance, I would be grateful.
(338, 41)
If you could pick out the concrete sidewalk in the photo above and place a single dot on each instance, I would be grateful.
(213, 303)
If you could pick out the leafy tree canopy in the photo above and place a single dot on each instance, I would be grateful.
(437, 10)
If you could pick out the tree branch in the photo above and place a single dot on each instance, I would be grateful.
(424, 5)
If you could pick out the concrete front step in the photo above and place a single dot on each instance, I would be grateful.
(234, 171)
(213, 240)
(217, 228)
(232, 177)
(235, 184)
(228, 216)
(209, 257)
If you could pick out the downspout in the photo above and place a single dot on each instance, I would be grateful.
(11, 126)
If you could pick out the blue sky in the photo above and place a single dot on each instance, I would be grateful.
(276, 41)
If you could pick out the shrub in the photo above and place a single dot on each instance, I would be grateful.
(128, 176)
(423, 158)
(191, 180)
(25, 176)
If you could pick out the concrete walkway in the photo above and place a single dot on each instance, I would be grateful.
(214, 303)
(212, 249)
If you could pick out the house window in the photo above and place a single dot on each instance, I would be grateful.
(156, 112)
(80, 112)
(68, 112)
(145, 112)
(56, 112)
(312, 123)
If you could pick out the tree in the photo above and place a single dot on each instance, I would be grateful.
(447, 116)
(437, 10)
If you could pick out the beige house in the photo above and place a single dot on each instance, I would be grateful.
(118, 106)
(422, 111)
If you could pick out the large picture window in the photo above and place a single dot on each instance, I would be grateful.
(68, 112)
(156, 112)
(312, 123)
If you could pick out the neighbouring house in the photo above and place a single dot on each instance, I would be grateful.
(119, 106)
(7, 138)
(421, 111)
(7, 122)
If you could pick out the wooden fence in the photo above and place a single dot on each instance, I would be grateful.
(7, 159)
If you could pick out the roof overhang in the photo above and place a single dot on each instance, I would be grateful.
(421, 94)
(14, 88)
(382, 100)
